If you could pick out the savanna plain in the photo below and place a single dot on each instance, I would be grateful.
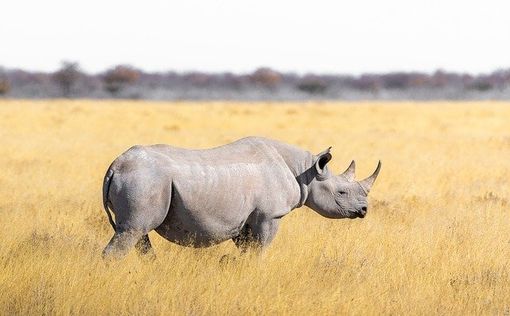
(436, 239)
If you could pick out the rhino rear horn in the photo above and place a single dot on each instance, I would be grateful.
(349, 172)
(368, 182)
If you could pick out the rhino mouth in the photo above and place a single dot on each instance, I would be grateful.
(356, 215)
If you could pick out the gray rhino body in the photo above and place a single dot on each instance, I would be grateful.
(238, 191)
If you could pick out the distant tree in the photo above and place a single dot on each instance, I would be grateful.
(369, 82)
(418, 80)
(232, 81)
(67, 76)
(198, 79)
(4, 83)
(312, 85)
(4, 86)
(266, 78)
(119, 77)
(396, 80)
(467, 80)
(499, 79)
(439, 79)
(481, 84)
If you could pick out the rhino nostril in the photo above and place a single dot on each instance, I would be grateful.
(364, 209)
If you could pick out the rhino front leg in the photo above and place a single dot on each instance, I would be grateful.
(257, 235)
(265, 232)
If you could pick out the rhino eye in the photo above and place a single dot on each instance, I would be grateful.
(342, 192)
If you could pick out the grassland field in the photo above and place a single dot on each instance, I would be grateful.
(436, 239)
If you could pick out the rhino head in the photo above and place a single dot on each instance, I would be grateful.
(338, 196)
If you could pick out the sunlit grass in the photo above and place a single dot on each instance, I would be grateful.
(436, 239)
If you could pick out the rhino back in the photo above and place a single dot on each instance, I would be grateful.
(225, 184)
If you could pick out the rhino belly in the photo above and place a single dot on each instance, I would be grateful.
(187, 231)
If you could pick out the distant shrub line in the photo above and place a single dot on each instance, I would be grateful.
(124, 81)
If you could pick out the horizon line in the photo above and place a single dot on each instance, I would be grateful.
(248, 72)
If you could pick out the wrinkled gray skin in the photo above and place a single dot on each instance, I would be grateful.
(238, 191)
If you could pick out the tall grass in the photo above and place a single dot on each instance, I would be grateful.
(436, 239)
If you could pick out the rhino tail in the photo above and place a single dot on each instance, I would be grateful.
(106, 188)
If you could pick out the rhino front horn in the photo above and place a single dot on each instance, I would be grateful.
(349, 173)
(368, 182)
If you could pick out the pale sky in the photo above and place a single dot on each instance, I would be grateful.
(227, 35)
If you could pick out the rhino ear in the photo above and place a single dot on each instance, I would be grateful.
(322, 160)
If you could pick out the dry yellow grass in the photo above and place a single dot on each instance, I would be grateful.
(436, 239)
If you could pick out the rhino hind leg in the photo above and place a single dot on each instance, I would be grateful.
(121, 243)
(140, 208)
(144, 248)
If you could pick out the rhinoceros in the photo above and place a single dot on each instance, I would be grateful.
(238, 191)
